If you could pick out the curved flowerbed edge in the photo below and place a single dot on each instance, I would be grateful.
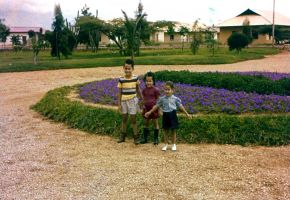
(267, 130)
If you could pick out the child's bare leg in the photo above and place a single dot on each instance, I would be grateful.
(134, 127)
(165, 132)
(133, 123)
(155, 123)
(174, 136)
(124, 123)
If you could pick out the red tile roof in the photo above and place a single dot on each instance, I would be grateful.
(14, 29)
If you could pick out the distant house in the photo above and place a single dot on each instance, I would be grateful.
(161, 36)
(256, 20)
(23, 33)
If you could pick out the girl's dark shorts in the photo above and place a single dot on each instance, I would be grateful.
(170, 120)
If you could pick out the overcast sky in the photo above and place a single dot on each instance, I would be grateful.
(40, 12)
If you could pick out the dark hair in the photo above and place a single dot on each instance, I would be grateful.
(170, 84)
(150, 74)
(130, 62)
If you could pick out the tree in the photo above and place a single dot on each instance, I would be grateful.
(133, 32)
(237, 41)
(210, 41)
(4, 32)
(37, 43)
(247, 30)
(196, 38)
(170, 30)
(60, 37)
(281, 33)
(183, 31)
(116, 31)
(16, 43)
(90, 29)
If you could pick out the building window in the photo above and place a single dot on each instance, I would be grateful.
(171, 37)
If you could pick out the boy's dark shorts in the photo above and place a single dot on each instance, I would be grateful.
(170, 120)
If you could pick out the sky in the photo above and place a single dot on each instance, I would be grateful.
(40, 12)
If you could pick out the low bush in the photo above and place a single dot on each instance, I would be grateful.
(269, 130)
(230, 81)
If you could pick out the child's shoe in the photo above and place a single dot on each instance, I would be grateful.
(173, 147)
(164, 148)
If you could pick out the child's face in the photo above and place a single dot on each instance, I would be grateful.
(168, 90)
(128, 70)
(149, 81)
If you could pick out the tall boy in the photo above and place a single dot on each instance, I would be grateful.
(127, 100)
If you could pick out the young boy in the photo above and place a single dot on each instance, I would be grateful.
(127, 99)
(169, 104)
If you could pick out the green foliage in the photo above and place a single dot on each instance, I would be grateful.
(4, 32)
(89, 29)
(210, 42)
(60, 38)
(230, 81)
(133, 33)
(269, 130)
(247, 30)
(16, 43)
(183, 31)
(196, 38)
(238, 41)
(281, 33)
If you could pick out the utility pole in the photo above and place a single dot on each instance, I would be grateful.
(273, 25)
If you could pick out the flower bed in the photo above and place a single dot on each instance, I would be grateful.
(197, 99)
(267, 129)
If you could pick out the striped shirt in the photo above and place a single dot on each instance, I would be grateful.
(128, 87)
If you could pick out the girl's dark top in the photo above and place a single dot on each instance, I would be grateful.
(150, 96)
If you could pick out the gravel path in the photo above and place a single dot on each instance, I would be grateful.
(41, 159)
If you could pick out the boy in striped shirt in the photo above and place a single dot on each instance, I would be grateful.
(127, 100)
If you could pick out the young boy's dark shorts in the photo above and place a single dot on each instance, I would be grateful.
(170, 120)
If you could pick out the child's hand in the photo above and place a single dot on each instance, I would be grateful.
(189, 116)
(147, 114)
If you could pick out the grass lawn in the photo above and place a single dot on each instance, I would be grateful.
(23, 61)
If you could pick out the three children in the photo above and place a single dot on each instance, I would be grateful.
(129, 91)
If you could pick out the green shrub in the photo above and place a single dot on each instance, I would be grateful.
(269, 130)
(230, 81)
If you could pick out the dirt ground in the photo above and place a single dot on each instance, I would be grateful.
(41, 159)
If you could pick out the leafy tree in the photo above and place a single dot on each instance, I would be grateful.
(4, 32)
(237, 41)
(247, 30)
(170, 30)
(210, 41)
(116, 31)
(16, 43)
(133, 29)
(281, 33)
(59, 38)
(89, 29)
(183, 31)
(196, 38)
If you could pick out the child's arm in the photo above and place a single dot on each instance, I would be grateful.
(183, 110)
(119, 99)
(139, 93)
(151, 111)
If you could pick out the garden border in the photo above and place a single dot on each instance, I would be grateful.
(266, 129)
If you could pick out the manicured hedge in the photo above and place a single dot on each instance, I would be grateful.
(269, 130)
(230, 81)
